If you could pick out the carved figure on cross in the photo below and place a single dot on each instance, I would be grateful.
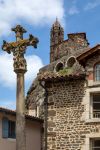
(18, 48)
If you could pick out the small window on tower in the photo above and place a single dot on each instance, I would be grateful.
(59, 33)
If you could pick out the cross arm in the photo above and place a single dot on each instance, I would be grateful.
(32, 41)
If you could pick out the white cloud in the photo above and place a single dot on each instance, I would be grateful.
(34, 12)
(92, 5)
(8, 77)
(73, 10)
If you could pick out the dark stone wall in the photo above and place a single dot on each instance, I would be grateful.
(75, 44)
(66, 128)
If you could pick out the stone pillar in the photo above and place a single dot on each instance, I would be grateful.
(20, 114)
(18, 49)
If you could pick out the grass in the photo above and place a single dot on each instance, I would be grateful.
(66, 71)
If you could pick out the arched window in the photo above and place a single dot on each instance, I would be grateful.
(97, 72)
(59, 66)
(71, 61)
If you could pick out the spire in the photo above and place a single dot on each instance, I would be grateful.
(56, 24)
(57, 33)
(56, 37)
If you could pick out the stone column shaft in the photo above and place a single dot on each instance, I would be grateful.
(20, 114)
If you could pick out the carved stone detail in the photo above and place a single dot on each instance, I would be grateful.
(20, 64)
(18, 48)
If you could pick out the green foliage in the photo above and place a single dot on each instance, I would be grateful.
(66, 71)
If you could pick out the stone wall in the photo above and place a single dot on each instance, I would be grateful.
(35, 99)
(74, 45)
(67, 130)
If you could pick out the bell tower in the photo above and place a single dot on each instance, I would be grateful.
(56, 37)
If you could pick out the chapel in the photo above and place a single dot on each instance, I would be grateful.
(66, 93)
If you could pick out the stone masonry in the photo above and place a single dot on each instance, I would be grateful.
(67, 129)
(65, 100)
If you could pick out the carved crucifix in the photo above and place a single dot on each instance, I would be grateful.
(20, 67)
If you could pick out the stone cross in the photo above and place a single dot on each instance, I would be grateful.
(18, 49)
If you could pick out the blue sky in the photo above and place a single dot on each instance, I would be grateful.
(37, 16)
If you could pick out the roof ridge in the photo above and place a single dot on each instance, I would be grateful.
(3, 109)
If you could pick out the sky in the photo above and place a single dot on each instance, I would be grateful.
(37, 17)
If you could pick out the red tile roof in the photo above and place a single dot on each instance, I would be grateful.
(56, 76)
(12, 112)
